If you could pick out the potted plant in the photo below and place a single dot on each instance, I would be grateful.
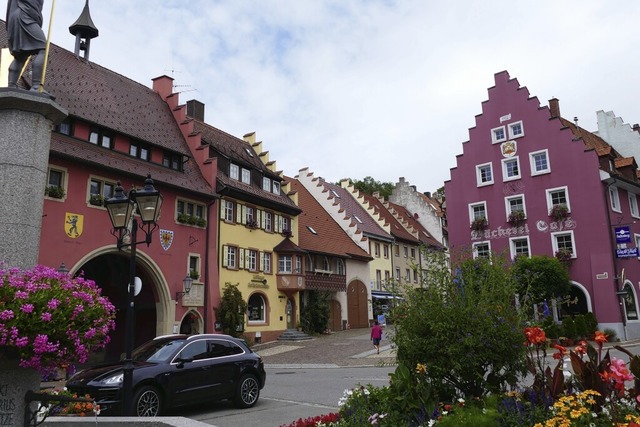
(516, 217)
(96, 200)
(194, 274)
(559, 212)
(479, 224)
(183, 218)
(201, 222)
(50, 319)
(54, 191)
(564, 255)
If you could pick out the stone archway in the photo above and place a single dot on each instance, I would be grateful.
(357, 305)
(191, 323)
(109, 268)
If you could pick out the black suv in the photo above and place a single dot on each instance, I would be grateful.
(176, 370)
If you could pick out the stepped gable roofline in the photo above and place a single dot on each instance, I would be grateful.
(398, 230)
(424, 236)
(367, 225)
(330, 238)
(190, 180)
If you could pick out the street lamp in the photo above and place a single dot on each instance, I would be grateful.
(187, 283)
(121, 208)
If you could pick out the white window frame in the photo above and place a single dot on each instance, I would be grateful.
(532, 162)
(276, 187)
(479, 169)
(340, 270)
(548, 192)
(614, 199)
(483, 243)
(511, 126)
(194, 261)
(234, 171)
(554, 241)
(636, 239)
(512, 245)
(505, 176)
(507, 204)
(251, 261)
(494, 137)
(266, 184)
(398, 274)
(246, 176)
(231, 257)
(285, 264)
(63, 180)
(268, 221)
(633, 205)
(472, 214)
(265, 262)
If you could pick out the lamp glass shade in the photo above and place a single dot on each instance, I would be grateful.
(187, 283)
(149, 201)
(120, 209)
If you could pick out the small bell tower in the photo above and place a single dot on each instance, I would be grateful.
(84, 29)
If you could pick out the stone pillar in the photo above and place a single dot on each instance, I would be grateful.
(15, 382)
(26, 120)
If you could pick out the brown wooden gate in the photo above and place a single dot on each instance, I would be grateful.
(335, 316)
(357, 305)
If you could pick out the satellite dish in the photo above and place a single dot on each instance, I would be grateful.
(137, 285)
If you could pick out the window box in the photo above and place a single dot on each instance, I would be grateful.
(564, 255)
(517, 217)
(194, 274)
(251, 224)
(479, 224)
(287, 233)
(559, 212)
(192, 220)
(96, 200)
(54, 192)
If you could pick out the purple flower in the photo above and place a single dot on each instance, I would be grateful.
(27, 308)
(53, 304)
(46, 317)
(21, 295)
(22, 342)
(6, 315)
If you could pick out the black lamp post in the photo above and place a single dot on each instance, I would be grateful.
(121, 208)
(187, 283)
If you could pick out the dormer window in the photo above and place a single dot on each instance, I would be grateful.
(249, 152)
(246, 176)
(266, 184)
(64, 127)
(234, 172)
(172, 160)
(276, 187)
(101, 138)
(140, 151)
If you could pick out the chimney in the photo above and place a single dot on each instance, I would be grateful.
(554, 108)
(428, 194)
(413, 187)
(636, 127)
(195, 109)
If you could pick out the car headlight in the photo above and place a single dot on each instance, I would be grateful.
(113, 380)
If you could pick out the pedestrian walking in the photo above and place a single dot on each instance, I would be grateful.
(376, 335)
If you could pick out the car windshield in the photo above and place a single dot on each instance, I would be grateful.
(157, 351)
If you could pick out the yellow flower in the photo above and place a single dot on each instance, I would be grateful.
(421, 369)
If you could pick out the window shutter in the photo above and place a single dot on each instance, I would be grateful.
(225, 256)
(239, 214)
(243, 215)
(261, 256)
(277, 223)
(241, 258)
(258, 217)
(263, 220)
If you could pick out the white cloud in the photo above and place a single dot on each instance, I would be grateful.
(367, 87)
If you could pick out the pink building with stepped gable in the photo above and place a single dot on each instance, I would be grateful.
(522, 156)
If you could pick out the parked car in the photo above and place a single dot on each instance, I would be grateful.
(176, 370)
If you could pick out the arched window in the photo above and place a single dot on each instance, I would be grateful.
(340, 265)
(256, 308)
(630, 303)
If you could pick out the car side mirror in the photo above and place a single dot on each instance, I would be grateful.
(182, 361)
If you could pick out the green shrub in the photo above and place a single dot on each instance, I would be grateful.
(231, 312)
(550, 327)
(569, 327)
(612, 335)
(314, 315)
(592, 323)
(581, 326)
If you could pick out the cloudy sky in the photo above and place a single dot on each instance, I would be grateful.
(356, 88)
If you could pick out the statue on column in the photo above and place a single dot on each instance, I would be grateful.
(26, 38)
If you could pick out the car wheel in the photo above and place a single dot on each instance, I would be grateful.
(247, 392)
(147, 402)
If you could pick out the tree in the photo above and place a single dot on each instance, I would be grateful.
(315, 313)
(230, 314)
(464, 327)
(541, 277)
(369, 186)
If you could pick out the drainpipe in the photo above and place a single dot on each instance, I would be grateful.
(205, 315)
(615, 263)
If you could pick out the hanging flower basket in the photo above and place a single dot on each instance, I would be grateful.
(479, 224)
(559, 212)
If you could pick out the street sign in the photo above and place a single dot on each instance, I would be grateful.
(627, 253)
(623, 234)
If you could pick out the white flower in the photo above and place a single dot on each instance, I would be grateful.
(460, 400)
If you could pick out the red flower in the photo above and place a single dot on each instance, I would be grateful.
(600, 337)
(535, 335)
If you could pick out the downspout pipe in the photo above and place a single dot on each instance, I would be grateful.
(205, 315)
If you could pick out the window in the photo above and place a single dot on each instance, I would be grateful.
(266, 184)
(377, 249)
(265, 260)
(481, 250)
(477, 211)
(407, 275)
(285, 264)
(398, 273)
(172, 160)
(340, 267)
(539, 162)
(276, 187)
(558, 196)
(55, 183)
(197, 350)
(385, 251)
(251, 261)
(230, 257)
(378, 279)
(614, 197)
(249, 216)
(246, 176)
(519, 246)
(484, 174)
(229, 211)
(55, 178)
(387, 277)
(405, 251)
(286, 224)
(99, 191)
(514, 204)
(140, 151)
(255, 308)
(563, 241)
(510, 169)
(633, 205)
(415, 276)
(413, 253)
(298, 264)
(630, 303)
(516, 130)
(268, 221)
(498, 135)
(101, 138)
(64, 127)
(396, 250)
(188, 212)
(234, 172)
(194, 267)
(636, 238)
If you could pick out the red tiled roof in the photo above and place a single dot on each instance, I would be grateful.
(330, 238)
(591, 141)
(625, 161)
(397, 229)
(425, 237)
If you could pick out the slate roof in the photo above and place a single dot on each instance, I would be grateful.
(353, 209)
(109, 100)
(330, 238)
(237, 150)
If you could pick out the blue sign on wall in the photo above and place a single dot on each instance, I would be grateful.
(623, 235)
(627, 253)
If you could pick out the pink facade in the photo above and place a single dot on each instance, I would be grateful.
(523, 156)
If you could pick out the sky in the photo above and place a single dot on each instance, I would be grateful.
(357, 88)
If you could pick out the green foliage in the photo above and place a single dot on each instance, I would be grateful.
(592, 323)
(550, 327)
(581, 326)
(231, 311)
(540, 277)
(477, 413)
(569, 327)
(412, 394)
(611, 334)
(54, 191)
(314, 316)
(472, 335)
(369, 186)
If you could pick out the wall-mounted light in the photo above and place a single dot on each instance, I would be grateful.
(187, 284)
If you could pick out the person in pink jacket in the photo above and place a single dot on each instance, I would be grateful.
(376, 335)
